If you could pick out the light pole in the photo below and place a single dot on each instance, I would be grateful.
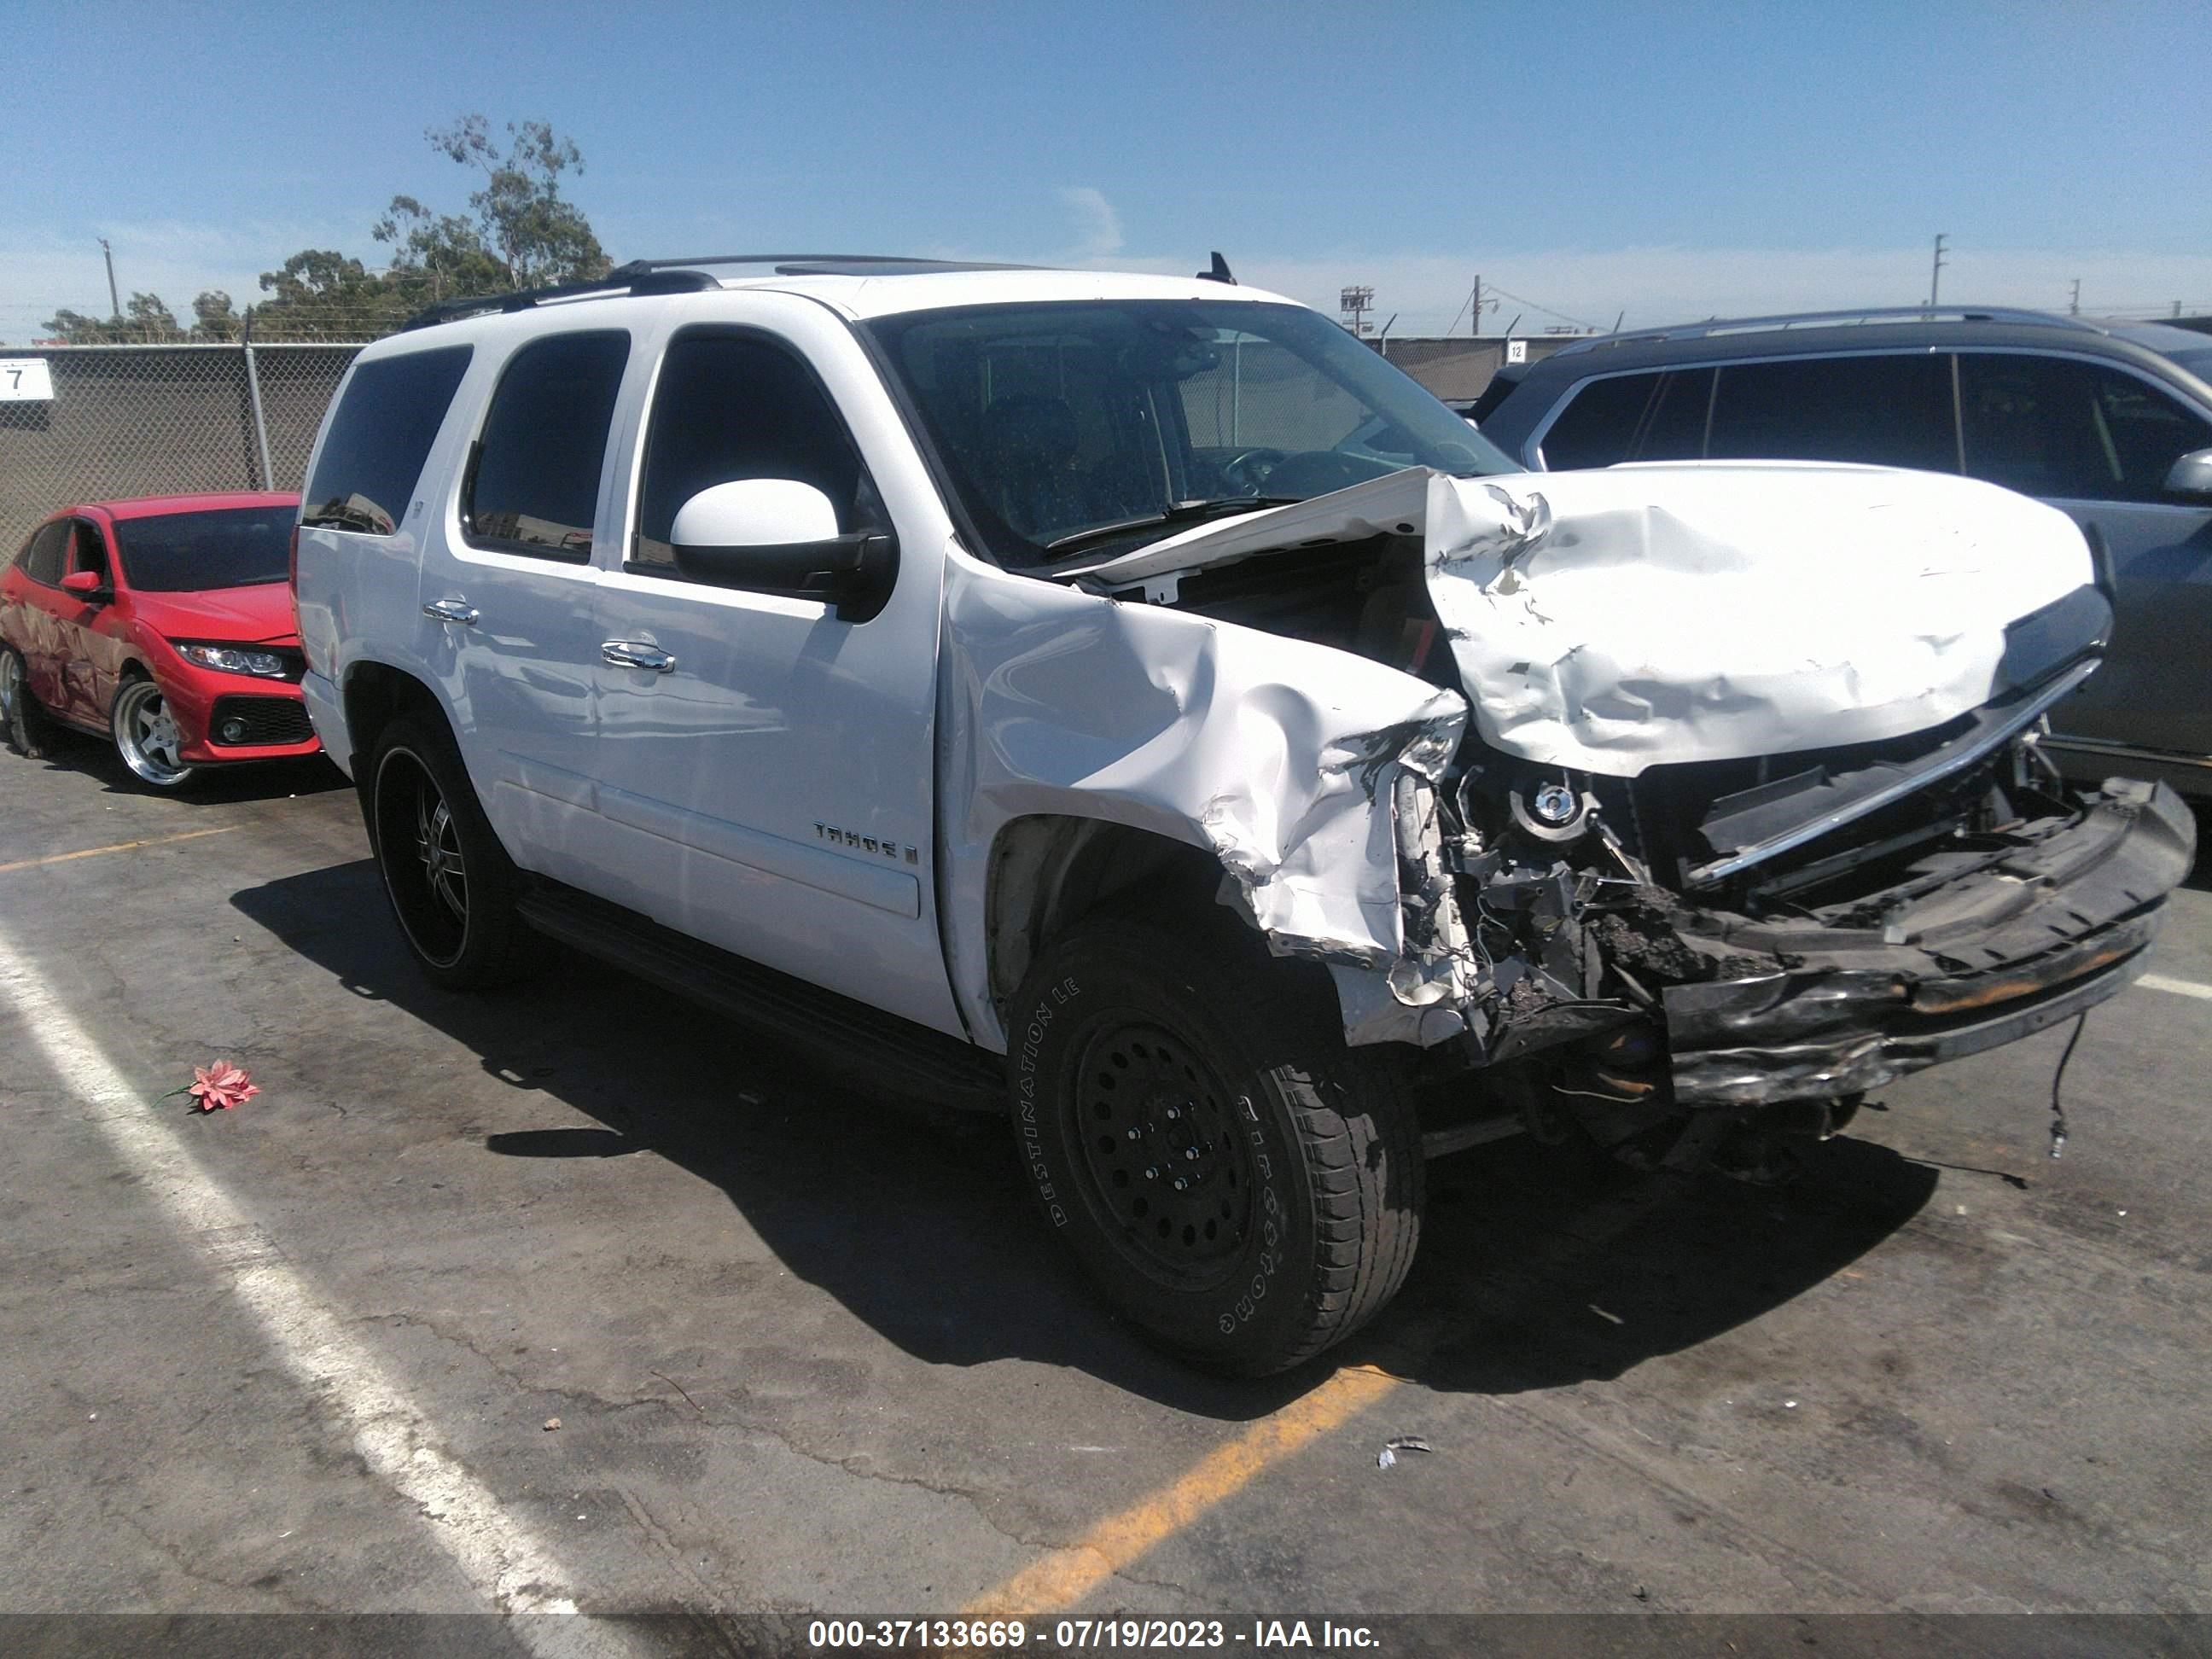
(1935, 272)
(114, 305)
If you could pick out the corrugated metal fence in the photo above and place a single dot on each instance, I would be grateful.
(158, 420)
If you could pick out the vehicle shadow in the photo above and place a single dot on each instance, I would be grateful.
(2200, 877)
(924, 1231)
(71, 750)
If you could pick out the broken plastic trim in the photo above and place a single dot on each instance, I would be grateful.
(1946, 761)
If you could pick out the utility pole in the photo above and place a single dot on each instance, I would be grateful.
(2073, 305)
(1935, 272)
(114, 305)
(1475, 322)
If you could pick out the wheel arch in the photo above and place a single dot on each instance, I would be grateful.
(1049, 871)
(375, 694)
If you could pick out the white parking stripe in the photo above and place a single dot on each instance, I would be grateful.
(498, 1555)
(2180, 988)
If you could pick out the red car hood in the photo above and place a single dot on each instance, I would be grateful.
(259, 615)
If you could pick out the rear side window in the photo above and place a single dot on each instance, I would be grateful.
(379, 438)
(43, 558)
(2056, 426)
(1598, 427)
(1632, 418)
(534, 481)
(733, 406)
(1880, 412)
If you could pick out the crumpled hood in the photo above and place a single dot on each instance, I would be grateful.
(260, 614)
(1613, 620)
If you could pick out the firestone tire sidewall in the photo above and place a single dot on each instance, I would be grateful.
(1261, 1307)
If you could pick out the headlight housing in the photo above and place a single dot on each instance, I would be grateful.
(236, 660)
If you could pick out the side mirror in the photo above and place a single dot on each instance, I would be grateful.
(88, 585)
(2190, 474)
(779, 536)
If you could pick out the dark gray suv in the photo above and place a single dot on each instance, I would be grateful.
(2110, 422)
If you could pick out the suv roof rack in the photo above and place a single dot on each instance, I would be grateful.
(1862, 316)
(642, 276)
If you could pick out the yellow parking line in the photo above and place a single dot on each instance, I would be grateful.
(1065, 1575)
(120, 847)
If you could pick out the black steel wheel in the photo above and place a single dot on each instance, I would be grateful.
(1241, 1187)
(451, 884)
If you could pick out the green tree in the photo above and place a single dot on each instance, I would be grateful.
(146, 318)
(521, 232)
(213, 317)
(538, 234)
(321, 294)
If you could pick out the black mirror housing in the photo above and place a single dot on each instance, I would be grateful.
(856, 573)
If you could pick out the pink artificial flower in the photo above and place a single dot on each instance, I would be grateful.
(221, 1086)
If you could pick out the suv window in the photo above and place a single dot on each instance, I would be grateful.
(735, 406)
(2057, 426)
(1892, 411)
(1632, 418)
(91, 552)
(42, 559)
(534, 482)
(379, 438)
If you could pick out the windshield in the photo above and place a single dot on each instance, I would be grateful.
(185, 552)
(1122, 418)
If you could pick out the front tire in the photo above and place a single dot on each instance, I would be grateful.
(452, 887)
(28, 728)
(147, 736)
(1241, 1187)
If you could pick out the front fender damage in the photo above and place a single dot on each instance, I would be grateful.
(1308, 773)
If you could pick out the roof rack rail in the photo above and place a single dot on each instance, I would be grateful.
(644, 277)
(1863, 315)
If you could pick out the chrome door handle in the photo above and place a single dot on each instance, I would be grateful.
(635, 654)
(451, 610)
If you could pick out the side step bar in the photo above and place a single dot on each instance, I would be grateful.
(859, 1041)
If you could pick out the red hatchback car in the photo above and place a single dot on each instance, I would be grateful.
(165, 623)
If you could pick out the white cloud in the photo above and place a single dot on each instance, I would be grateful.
(1098, 227)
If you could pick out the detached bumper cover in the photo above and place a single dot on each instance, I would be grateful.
(1999, 955)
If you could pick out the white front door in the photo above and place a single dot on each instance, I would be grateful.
(769, 764)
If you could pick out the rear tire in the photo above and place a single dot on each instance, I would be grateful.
(28, 727)
(146, 735)
(451, 885)
(1144, 1057)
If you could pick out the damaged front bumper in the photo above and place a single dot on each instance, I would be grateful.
(1997, 955)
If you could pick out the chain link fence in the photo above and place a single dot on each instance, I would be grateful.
(159, 420)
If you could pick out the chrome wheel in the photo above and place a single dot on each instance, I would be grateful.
(147, 737)
(419, 846)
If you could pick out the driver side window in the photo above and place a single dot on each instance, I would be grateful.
(731, 406)
(91, 551)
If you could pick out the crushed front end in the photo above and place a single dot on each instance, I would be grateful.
(1749, 817)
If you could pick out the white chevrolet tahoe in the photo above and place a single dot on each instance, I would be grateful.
(1132, 706)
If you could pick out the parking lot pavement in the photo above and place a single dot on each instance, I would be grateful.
(809, 1350)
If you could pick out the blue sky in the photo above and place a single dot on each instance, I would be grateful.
(1589, 160)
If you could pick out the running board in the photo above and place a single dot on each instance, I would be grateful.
(863, 1043)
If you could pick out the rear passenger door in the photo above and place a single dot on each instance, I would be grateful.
(510, 589)
(2097, 439)
(37, 621)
